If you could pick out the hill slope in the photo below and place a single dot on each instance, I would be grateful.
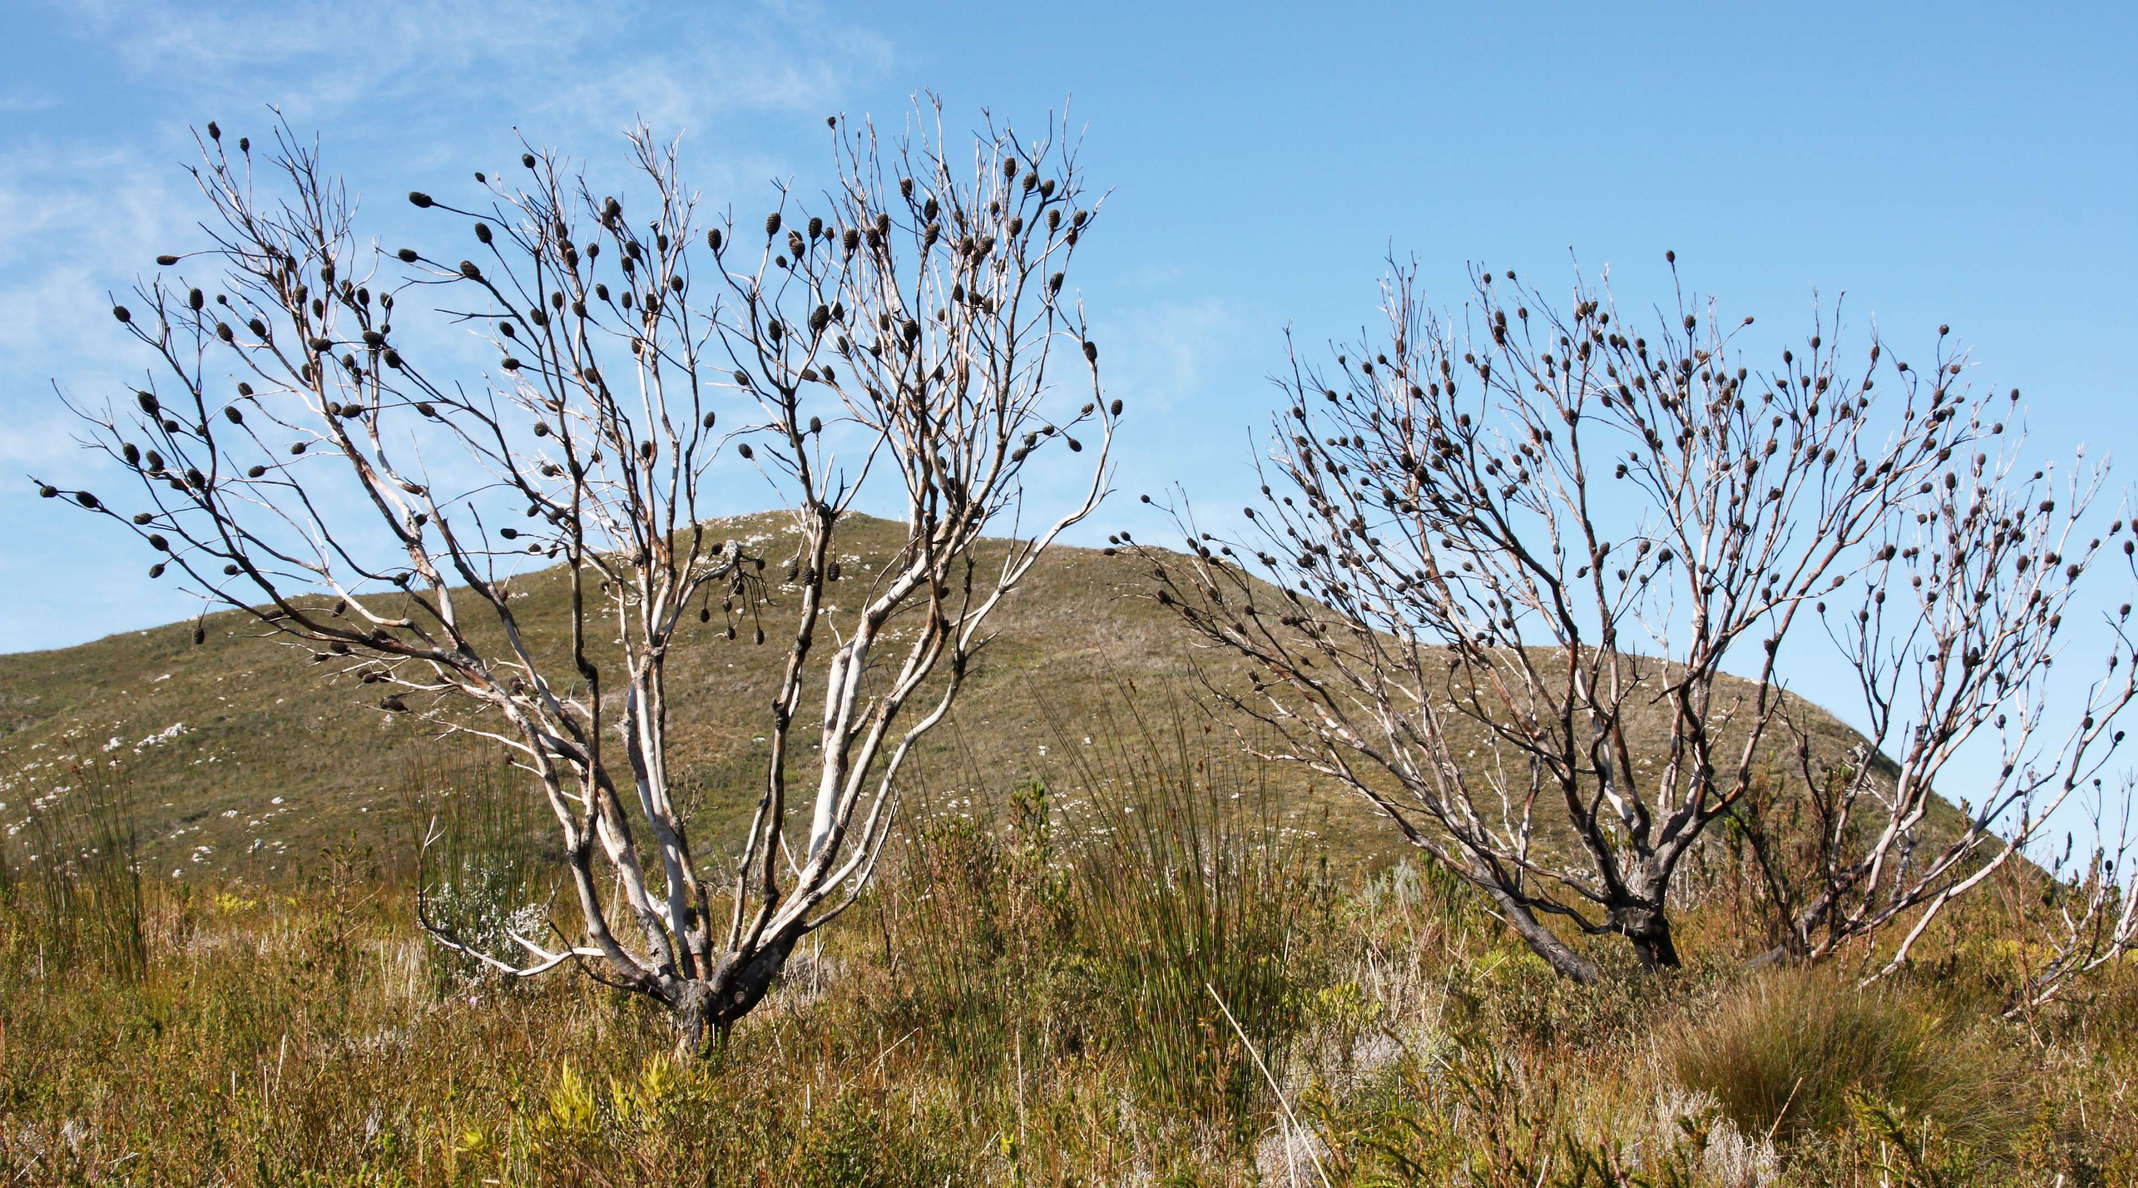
(242, 759)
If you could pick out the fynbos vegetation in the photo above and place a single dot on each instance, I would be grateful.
(1487, 845)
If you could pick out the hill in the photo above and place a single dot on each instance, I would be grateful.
(243, 760)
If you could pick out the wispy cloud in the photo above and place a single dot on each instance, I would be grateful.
(21, 100)
(78, 226)
(563, 67)
(1171, 352)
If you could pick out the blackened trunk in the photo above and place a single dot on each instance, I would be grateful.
(704, 1009)
(1541, 940)
(1648, 930)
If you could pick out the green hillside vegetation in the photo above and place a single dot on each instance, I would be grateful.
(245, 759)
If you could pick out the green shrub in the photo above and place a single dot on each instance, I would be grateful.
(1787, 1052)
(75, 898)
(1194, 900)
(484, 874)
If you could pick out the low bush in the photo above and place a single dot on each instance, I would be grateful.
(1787, 1052)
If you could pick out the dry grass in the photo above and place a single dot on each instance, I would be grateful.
(1010, 1006)
(1788, 1053)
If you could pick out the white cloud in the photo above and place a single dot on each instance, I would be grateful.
(21, 100)
(564, 68)
(79, 225)
(1164, 354)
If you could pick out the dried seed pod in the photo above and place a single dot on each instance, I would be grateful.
(419, 199)
(166, 260)
(771, 224)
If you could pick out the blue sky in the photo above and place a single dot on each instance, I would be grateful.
(1975, 164)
